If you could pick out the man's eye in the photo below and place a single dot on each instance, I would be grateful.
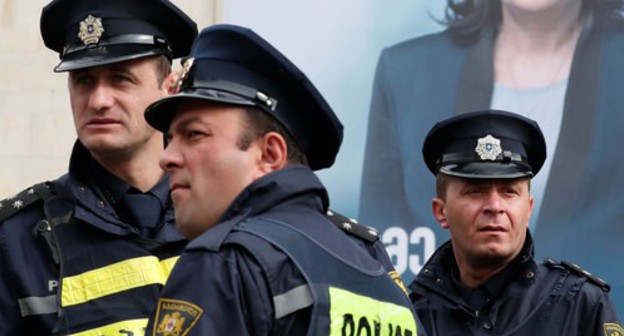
(83, 81)
(473, 191)
(511, 191)
(121, 79)
(195, 134)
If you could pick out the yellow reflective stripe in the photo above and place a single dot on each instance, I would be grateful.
(353, 314)
(168, 264)
(115, 278)
(130, 327)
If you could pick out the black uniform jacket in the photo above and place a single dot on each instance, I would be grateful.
(111, 271)
(525, 298)
(220, 288)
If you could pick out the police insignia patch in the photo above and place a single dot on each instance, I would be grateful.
(175, 317)
(613, 329)
(488, 148)
(91, 30)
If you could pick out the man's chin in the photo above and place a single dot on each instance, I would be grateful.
(101, 143)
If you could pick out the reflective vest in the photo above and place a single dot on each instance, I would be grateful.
(346, 299)
(99, 291)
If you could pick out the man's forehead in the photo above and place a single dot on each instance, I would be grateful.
(193, 111)
(487, 182)
(200, 103)
(119, 67)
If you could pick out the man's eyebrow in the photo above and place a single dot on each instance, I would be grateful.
(186, 121)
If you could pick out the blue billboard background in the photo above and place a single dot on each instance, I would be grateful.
(337, 44)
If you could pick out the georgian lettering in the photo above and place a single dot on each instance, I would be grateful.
(409, 250)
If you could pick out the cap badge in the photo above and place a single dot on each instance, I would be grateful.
(91, 30)
(488, 148)
(186, 68)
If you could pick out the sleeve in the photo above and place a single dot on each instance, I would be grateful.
(10, 316)
(603, 319)
(212, 293)
(378, 251)
(382, 178)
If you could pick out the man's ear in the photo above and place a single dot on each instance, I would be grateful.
(273, 153)
(438, 207)
(531, 202)
(170, 82)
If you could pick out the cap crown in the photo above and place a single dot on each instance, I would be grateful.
(89, 33)
(485, 144)
(234, 65)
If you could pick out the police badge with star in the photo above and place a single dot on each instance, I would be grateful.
(488, 148)
(91, 30)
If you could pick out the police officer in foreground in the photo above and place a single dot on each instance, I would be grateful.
(244, 135)
(88, 253)
(484, 281)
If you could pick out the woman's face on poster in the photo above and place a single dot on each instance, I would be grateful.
(539, 6)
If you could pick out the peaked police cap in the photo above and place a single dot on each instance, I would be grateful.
(234, 65)
(88, 33)
(486, 144)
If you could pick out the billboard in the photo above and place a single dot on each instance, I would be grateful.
(338, 44)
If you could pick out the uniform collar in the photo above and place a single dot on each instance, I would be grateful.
(277, 187)
(437, 274)
(87, 170)
(92, 207)
(492, 288)
(284, 187)
(112, 187)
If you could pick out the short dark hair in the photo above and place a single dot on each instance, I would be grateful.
(163, 68)
(259, 123)
(467, 20)
(442, 181)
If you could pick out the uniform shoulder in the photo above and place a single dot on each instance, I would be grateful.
(578, 271)
(24, 199)
(352, 227)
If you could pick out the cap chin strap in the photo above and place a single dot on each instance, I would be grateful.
(459, 158)
(117, 40)
(230, 92)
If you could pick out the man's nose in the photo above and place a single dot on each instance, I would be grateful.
(493, 202)
(171, 158)
(101, 97)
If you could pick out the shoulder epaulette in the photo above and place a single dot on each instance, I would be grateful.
(22, 200)
(351, 226)
(576, 269)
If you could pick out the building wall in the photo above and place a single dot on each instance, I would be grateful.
(36, 127)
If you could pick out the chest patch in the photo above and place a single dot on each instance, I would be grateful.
(175, 317)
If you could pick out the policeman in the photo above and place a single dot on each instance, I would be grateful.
(88, 253)
(244, 135)
(484, 281)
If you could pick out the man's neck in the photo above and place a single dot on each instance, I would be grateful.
(475, 272)
(475, 277)
(140, 169)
